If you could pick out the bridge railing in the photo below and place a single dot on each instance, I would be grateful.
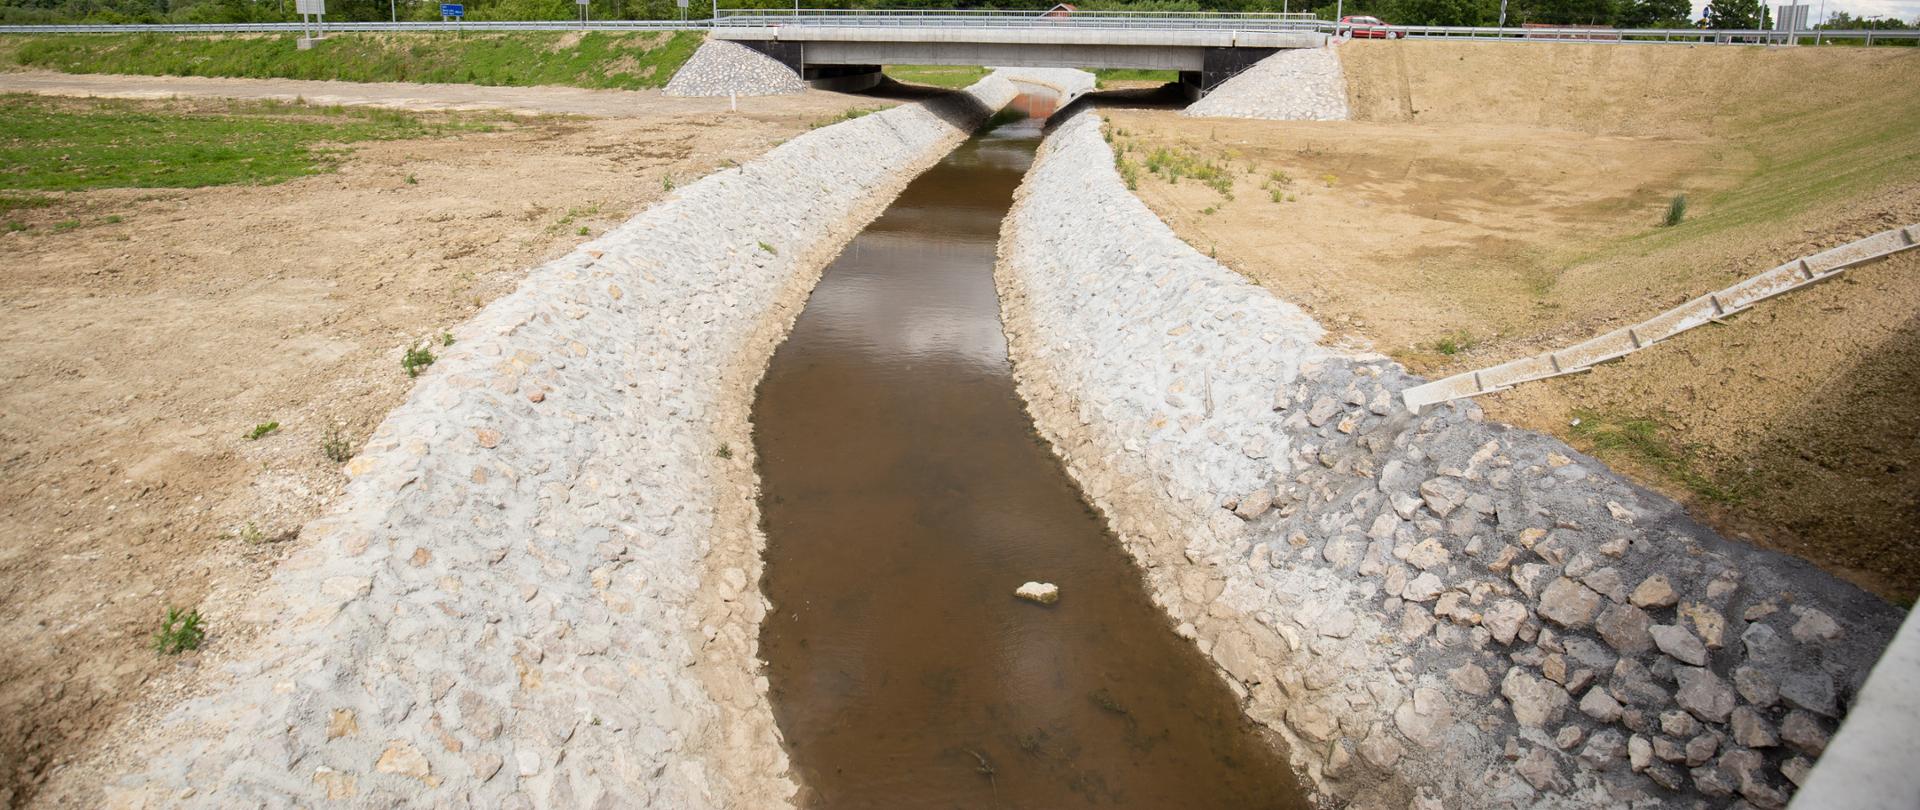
(924, 18)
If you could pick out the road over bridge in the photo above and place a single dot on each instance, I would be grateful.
(844, 50)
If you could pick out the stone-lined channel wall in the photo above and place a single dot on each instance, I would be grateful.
(540, 588)
(1298, 84)
(1431, 610)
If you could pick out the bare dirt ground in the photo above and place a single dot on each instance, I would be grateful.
(1494, 200)
(138, 352)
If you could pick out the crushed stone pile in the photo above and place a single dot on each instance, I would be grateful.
(723, 68)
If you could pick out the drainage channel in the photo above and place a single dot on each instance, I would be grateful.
(906, 495)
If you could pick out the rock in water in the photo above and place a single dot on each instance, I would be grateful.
(1045, 593)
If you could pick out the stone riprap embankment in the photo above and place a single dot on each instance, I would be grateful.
(1300, 84)
(1433, 610)
(722, 68)
(540, 587)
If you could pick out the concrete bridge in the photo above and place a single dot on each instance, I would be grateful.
(842, 50)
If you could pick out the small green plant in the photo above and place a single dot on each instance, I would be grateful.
(446, 338)
(769, 249)
(262, 429)
(11, 203)
(1208, 211)
(416, 358)
(1279, 178)
(179, 632)
(251, 534)
(1129, 171)
(724, 451)
(1676, 210)
(1177, 163)
(66, 225)
(16, 227)
(583, 231)
(1646, 441)
(1278, 195)
(335, 444)
(1454, 343)
(666, 183)
(412, 181)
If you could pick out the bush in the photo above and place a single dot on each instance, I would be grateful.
(1676, 210)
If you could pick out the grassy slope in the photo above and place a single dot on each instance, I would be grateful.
(1793, 424)
(598, 60)
(1104, 75)
(61, 145)
(955, 76)
(1816, 126)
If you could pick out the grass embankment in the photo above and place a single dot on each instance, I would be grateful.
(1104, 77)
(957, 76)
(954, 76)
(58, 145)
(1793, 423)
(519, 59)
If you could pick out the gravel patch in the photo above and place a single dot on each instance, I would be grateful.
(722, 68)
(1299, 84)
(540, 587)
(1428, 609)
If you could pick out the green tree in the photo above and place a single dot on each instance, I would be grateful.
(1438, 12)
(1745, 14)
(1656, 14)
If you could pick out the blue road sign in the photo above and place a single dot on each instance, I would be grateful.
(453, 10)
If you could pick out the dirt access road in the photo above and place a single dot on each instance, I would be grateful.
(142, 343)
(1494, 200)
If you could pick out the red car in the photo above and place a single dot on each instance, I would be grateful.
(1363, 27)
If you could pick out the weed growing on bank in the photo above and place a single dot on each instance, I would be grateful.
(1676, 210)
(1644, 441)
(1176, 163)
(849, 115)
(179, 632)
(335, 445)
(1455, 343)
(416, 358)
(262, 429)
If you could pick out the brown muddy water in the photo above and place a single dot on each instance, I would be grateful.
(906, 495)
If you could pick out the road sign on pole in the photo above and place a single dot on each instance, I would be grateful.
(453, 10)
(312, 12)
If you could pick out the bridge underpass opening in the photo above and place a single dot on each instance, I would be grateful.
(849, 59)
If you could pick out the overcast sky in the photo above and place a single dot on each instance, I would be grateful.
(1902, 9)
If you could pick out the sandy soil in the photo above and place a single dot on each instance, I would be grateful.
(138, 353)
(1495, 200)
